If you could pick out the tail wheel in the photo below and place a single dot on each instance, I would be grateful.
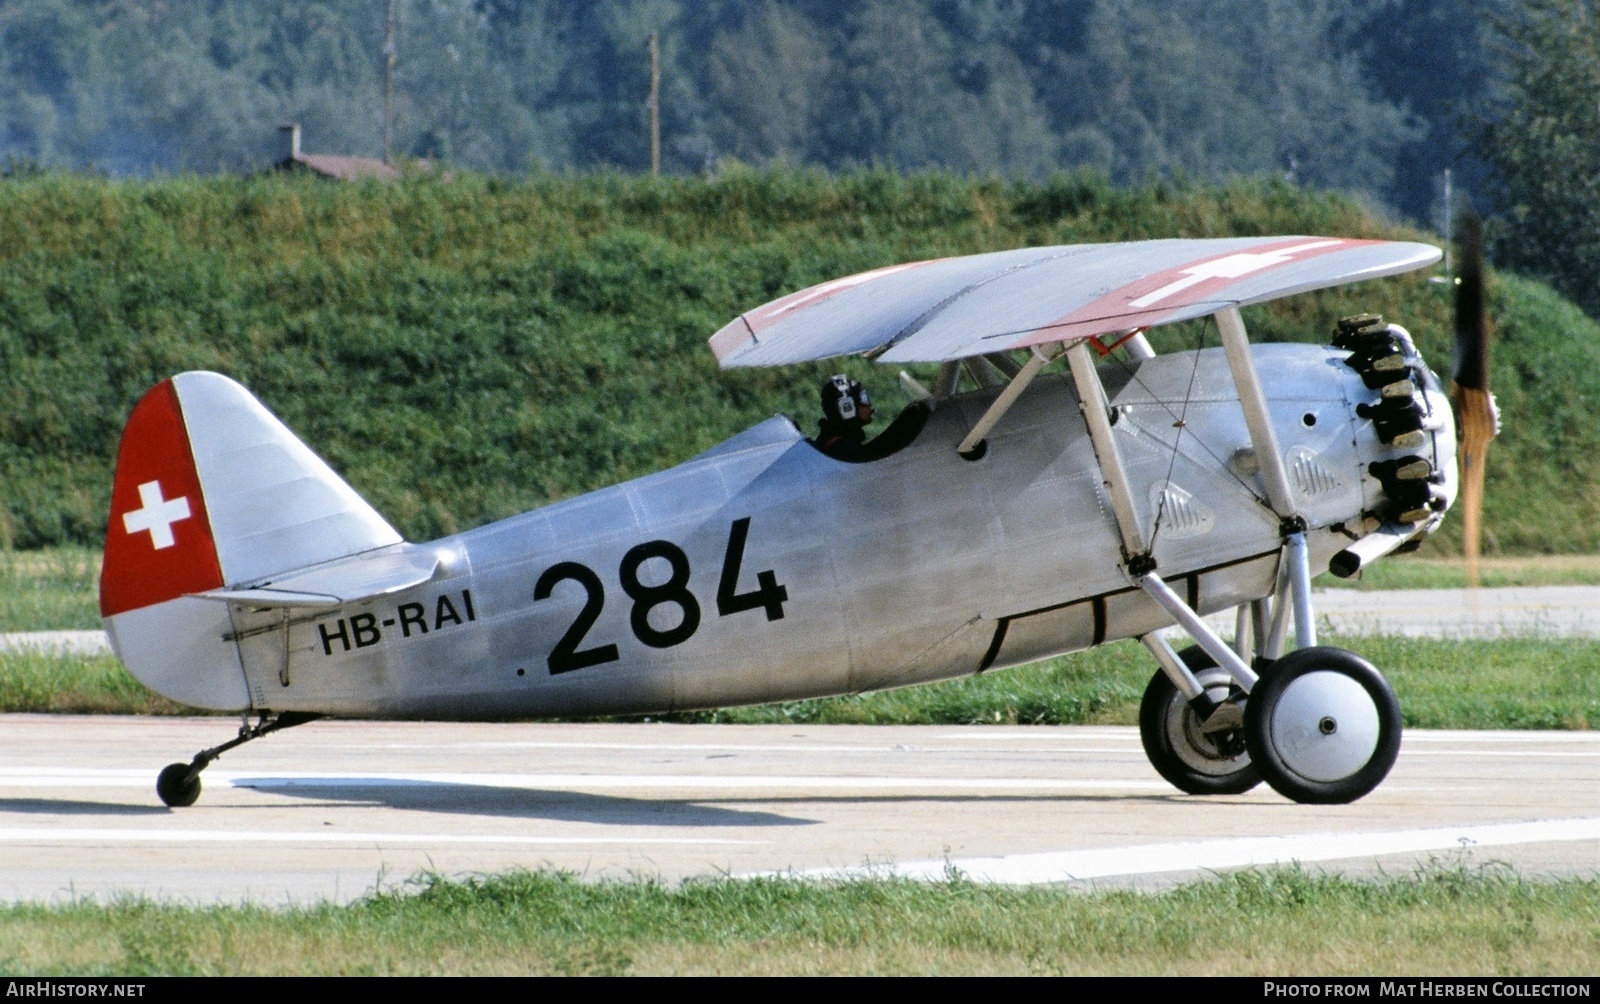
(1323, 725)
(178, 784)
(1201, 758)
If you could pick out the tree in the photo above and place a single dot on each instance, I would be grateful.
(1212, 90)
(1149, 95)
(912, 97)
(1436, 59)
(1544, 146)
(767, 81)
(42, 47)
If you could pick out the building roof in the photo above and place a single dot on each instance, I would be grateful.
(340, 167)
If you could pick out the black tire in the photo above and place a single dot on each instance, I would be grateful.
(1323, 725)
(1191, 760)
(176, 787)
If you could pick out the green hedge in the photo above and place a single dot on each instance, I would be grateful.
(464, 348)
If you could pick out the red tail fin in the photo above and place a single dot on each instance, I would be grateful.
(158, 542)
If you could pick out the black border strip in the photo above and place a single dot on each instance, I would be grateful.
(1191, 587)
(994, 646)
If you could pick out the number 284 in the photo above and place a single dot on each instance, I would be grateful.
(768, 595)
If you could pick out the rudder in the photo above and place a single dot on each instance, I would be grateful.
(212, 491)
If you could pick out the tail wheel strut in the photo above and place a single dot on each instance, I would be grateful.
(178, 784)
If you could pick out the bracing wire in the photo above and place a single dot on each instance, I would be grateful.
(1180, 423)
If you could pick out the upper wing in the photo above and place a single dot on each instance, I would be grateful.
(951, 308)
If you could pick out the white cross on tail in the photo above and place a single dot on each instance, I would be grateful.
(157, 516)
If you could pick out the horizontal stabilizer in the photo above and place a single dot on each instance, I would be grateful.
(276, 599)
(361, 577)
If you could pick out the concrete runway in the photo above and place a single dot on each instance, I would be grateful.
(1543, 611)
(332, 810)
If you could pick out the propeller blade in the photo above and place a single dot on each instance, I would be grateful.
(1476, 423)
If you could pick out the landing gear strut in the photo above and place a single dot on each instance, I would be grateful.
(178, 784)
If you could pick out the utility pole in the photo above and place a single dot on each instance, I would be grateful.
(655, 106)
(1448, 279)
(388, 88)
(1449, 210)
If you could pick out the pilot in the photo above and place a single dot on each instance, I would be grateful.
(846, 412)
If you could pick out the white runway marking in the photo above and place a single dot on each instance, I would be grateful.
(1151, 859)
(1503, 754)
(754, 781)
(1458, 736)
(1117, 734)
(108, 835)
(995, 736)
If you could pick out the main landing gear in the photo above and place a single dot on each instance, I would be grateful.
(1321, 726)
(178, 784)
(1200, 753)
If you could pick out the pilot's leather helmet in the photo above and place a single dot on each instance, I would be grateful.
(843, 399)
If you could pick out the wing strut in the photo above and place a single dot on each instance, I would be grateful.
(1207, 639)
(1294, 592)
(1092, 399)
(1138, 561)
(1041, 356)
(1256, 418)
(1275, 476)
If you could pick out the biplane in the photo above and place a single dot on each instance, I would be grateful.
(1071, 486)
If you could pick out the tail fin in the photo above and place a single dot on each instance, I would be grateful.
(211, 490)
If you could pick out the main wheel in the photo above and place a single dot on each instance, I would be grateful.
(1323, 725)
(176, 787)
(1181, 750)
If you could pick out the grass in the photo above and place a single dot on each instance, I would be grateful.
(1511, 683)
(1411, 572)
(1447, 918)
(52, 589)
(1520, 683)
(77, 685)
(1517, 683)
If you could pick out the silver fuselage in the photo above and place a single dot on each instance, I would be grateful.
(918, 567)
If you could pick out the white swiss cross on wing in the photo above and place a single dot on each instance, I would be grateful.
(1233, 266)
(156, 515)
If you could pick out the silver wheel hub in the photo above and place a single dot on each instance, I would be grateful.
(1191, 741)
(1325, 726)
